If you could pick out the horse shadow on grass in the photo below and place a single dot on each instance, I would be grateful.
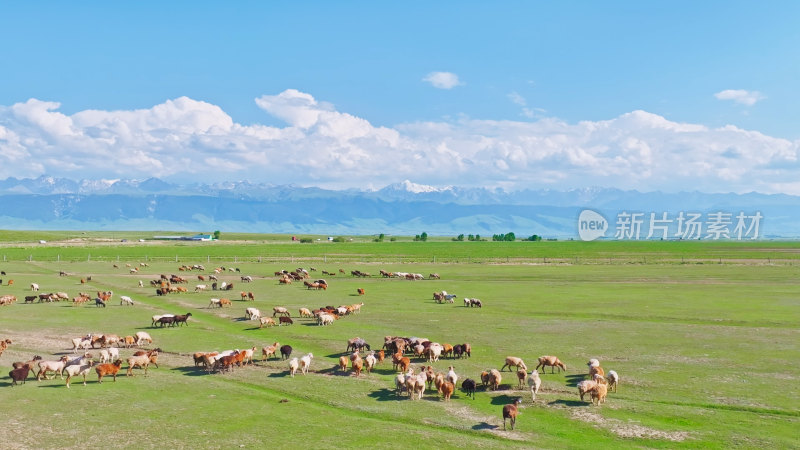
(191, 371)
(572, 380)
(265, 362)
(436, 397)
(63, 384)
(386, 395)
(69, 352)
(485, 426)
(504, 399)
(279, 374)
(334, 371)
(569, 403)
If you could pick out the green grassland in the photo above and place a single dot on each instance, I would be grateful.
(707, 352)
(113, 246)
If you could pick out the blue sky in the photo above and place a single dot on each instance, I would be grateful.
(531, 87)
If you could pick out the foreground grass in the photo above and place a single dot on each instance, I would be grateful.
(708, 357)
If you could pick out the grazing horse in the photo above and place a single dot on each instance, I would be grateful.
(360, 344)
(285, 320)
(182, 319)
(166, 321)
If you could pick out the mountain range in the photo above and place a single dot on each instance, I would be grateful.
(401, 208)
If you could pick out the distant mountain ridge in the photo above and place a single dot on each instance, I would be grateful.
(400, 208)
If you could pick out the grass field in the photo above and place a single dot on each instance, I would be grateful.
(238, 247)
(708, 353)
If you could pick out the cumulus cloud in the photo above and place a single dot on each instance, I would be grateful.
(187, 140)
(740, 96)
(442, 80)
(292, 106)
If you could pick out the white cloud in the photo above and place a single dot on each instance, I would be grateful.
(296, 108)
(525, 111)
(187, 140)
(741, 96)
(443, 80)
(517, 99)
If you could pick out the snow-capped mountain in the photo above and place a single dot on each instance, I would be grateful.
(414, 188)
(401, 208)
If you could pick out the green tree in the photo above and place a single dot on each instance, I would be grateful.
(216, 234)
(508, 237)
(423, 237)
